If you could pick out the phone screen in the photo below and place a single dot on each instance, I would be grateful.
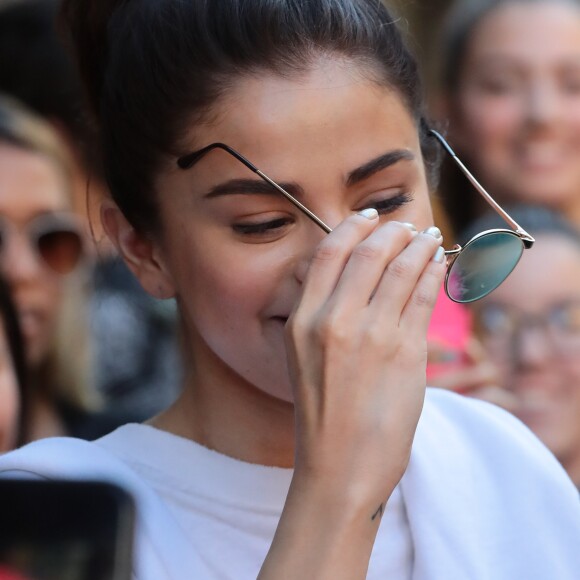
(64, 530)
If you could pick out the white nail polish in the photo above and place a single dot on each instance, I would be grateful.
(409, 226)
(433, 231)
(370, 213)
(439, 255)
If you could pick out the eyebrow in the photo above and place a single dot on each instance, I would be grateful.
(252, 187)
(378, 164)
(261, 187)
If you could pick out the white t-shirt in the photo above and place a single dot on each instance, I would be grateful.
(482, 499)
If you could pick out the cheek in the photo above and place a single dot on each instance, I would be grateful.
(483, 119)
(229, 283)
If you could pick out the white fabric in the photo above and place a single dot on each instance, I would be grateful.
(482, 499)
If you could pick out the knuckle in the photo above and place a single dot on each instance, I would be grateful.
(326, 251)
(376, 337)
(367, 251)
(400, 268)
(332, 329)
(424, 298)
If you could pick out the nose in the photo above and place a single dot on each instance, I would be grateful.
(531, 348)
(310, 237)
(19, 262)
(542, 106)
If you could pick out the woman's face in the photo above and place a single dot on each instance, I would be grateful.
(535, 341)
(516, 112)
(9, 396)
(30, 186)
(236, 250)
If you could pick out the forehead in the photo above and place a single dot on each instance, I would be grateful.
(278, 121)
(540, 31)
(30, 183)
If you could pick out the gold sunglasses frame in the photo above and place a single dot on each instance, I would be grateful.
(187, 161)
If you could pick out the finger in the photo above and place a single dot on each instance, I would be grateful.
(368, 261)
(331, 256)
(400, 279)
(417, 312)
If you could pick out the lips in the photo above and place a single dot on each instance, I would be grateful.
(542, 156)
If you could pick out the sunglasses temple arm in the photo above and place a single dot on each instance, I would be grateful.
(188, 161)
(293, 200)
(496, 207)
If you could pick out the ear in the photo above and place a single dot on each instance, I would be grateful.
(141, 254)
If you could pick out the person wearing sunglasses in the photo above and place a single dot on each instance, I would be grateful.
(510, 84)
(41, 254)
(530, 328)
(134, 337)
(270, 168)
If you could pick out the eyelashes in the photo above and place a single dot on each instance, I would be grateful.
(263, 227)
(391, 204)
(275, 226)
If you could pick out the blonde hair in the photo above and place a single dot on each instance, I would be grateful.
(66, 369)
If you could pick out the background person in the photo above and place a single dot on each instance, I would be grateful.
(511, 94)
(530, 327)
(42, 249)
(134, 337)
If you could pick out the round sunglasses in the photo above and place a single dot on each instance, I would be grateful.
(55, 238)
(473, 270)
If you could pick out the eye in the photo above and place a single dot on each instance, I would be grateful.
(566, 317)
(391, 204)
(495, 320)
(499, 85)
(262, 228)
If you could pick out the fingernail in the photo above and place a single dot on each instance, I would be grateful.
(433, 231)
(370, 213)
(439, 255)
(409, 226)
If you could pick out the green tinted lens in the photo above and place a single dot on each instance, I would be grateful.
(483, 264)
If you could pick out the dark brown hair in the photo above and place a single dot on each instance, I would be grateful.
(151, 65)
(15, 343)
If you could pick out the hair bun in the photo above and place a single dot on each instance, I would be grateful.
(84, 25)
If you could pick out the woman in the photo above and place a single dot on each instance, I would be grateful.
(511, 93)
(13, 391)
(306, 351)
(41, 247)
(530, 327)
(133, 337)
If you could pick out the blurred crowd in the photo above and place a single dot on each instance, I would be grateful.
(83, 349)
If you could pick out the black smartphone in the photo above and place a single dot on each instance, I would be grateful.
(65, 530)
